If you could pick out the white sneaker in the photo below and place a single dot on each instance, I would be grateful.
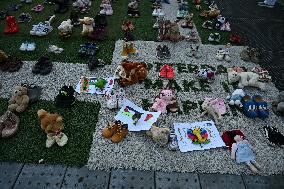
(23, 47)
(31, 46)
(155, 12)
(160, 13)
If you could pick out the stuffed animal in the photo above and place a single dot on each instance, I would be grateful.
(278, 104)
(133, 9)
(236, 97)
(62, 5)
(245, 79)
(20, 100)
(52, 125)
(128, 48)
(165, 101)
(66, 97)
(159, 135)
(214, 107)
(242, 152)
(82, 5)
(87, 25)
(172, 32)
(130, 73)
(205, 74)
(65, 28)
(9, 124)
(3, 57)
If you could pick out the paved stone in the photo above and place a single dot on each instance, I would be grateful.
(9, 172)
(38, 176)
(83, 178)
(217, 181)
(262, 182)
(131, 179)
(176, 180)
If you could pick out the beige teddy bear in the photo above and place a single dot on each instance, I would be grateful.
(87, 25)
(159, 135)
(20, 100)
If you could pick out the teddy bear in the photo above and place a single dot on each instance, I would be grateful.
(65, 28)
(172, 32)
(159, 135)
(236, 97)
(278, 104)
(20, 100)
(165, 101)
(245, 79)
(52, 125)
(82, 5)
(133, 9)
(214, 107)
(87, 25)
(130, 73)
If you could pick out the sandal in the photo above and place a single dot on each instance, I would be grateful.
(261, 106)
(38, 8)
(249, 107)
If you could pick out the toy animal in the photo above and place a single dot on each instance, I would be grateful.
(130, 73)
(159, 135)
(278, 104)
(205, 74)
(82, 5)
(215, 108)
(52, 125)
(9, 124)
(245, 79)
(165, 101)
(87, 25)
(133, 9)
(65, 28)
(66, 97)
(127, 49)
(236, 97)
(20, 100)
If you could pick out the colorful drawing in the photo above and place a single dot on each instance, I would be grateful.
(84, 87)
(198, 135)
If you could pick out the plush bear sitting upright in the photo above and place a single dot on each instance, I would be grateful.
(278, 104)
(52, 125)
(159, 135)
(20, 100)
(245, 79)
(165, 101)
(65, 28)
(87, 25)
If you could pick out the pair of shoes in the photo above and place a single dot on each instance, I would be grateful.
(115, 99)
(26, 1)
(274, 136)
(88, 49)
(9, 124)
(223, 55)
(207, 24)
(106, 9)
(188, 21)
(116, 131)
(234, 38)
(59, 138)
(192, 37)
(66, 97)
(167, 72)
(54, 49)
(11, 25)
(25, 17)
(43, 66)
(158, 12)
(11, 64)
(214, 37)
(163, 52)
(41, 29)
(28, 46)
(255, 107)
(193, 52)
(225, 27)
(38, 8)
(173, 142)
(262, 4)
(94, 63)
(263, 74)
(250, 54)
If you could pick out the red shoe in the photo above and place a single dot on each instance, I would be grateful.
(167, 72)
(234, 38)
(11, 25)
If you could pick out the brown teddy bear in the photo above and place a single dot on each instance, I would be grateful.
(52, 125)
(131, 72)
(87, 25)
(20, 100)
(159, 135)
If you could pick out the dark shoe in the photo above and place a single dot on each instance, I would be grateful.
(9, 124)
(94, 63)
(273, 136)
(159, 52)
(66, 97)
(3, 15)
(166, 52)
(14, 64)
(43, 66)
(34, 92)
(25, 17)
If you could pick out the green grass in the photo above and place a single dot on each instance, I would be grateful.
(28, 145)
(204, 33)
(11, 43)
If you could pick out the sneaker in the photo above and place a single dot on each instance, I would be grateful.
(155, 12)
(262, 4)
(24, 17)
(94, 63)
(44, 29)
(211, 37)
(31, 46)
(160, 13)
(166, 52)
(207, 24)
(23, 47)
(43, 66)
(249, 107)
(159, 53)
(66, 97)
(261, 106)
(173, 144)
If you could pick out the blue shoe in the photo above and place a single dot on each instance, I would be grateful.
(249, 107)
(261, 106)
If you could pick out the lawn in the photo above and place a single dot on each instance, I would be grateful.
(28, 145)
(11, 43)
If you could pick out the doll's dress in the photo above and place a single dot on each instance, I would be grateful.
(244, 152)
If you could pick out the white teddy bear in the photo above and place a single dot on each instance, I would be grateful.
(65, 28)
(245, 79)
(236, 97)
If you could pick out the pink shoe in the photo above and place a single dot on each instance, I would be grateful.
(227, 26)
(38, 8)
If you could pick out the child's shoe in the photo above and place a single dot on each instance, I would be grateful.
(110, 129)
(249, 107)
(261, 105)
(120, 133)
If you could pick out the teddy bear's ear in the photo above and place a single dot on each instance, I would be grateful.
(41, 113)
(59, 119)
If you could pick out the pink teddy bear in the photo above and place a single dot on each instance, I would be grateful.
(165, 100)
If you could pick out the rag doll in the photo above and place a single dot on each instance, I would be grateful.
(242, 152)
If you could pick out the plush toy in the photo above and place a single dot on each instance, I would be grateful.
(214, 107)
(130, 73)
(127, 49)
(159, 135)
(3, 57)
(127, 27)
(11, 25)
(9, 124)
(62, 5)
(172, 32)
(242, 152)
(236, 97)
(66, 97)
(65, 28)
(100, 83)
(245, 79)
(278, 104)
(52, 125)
(205, 74)
(82, 5)
(133, 9)
(116, 131)
(87, 25)
(20, 100)
(165, 101)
